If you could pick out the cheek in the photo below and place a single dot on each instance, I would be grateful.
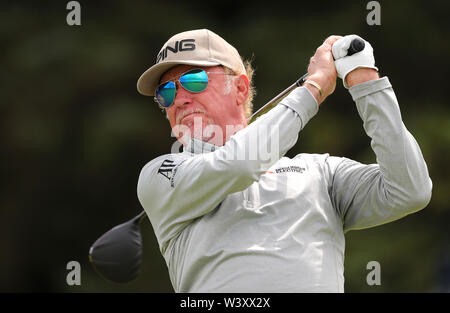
(217, 110)
(221, 104)
(227, 108)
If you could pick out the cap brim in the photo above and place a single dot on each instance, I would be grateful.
(149, 80)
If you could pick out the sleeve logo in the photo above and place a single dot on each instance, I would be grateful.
(166, 169)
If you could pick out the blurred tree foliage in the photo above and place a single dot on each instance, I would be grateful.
(75, 133)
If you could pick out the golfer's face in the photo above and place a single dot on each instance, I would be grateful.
(214, 107)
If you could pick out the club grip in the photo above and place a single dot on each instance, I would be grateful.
(356, 45)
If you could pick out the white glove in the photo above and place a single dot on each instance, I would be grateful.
(345, 64)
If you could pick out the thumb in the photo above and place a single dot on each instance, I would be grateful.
(340, 47)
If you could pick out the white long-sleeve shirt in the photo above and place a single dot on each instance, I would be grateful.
(225, 224)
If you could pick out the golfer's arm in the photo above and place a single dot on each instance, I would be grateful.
(199, 183)
(399, 184)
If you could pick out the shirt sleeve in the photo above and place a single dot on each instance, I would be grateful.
(176, 189)
(399, 184)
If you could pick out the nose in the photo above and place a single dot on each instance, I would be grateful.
(182, 96)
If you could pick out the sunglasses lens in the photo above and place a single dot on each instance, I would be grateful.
(195, 80)
(165, 94)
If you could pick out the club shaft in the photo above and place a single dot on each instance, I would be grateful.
(355, 46)
(272, 103)
(139, 218)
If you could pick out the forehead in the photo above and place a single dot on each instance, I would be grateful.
(180, 69)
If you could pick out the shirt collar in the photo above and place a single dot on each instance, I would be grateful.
(197, 146)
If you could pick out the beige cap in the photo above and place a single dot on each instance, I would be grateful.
(199, 47)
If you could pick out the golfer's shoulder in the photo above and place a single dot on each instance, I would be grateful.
(324, 160)
(313, 157)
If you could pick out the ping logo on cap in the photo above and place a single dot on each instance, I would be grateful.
(182, 45)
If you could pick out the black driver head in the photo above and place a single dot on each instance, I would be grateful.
(117, 255)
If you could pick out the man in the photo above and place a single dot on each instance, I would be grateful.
(231, 224)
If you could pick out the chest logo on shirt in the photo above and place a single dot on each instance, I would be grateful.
(287, 169)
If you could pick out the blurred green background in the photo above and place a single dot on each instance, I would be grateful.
(75, 133)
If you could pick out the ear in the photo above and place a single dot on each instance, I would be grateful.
(242, 86)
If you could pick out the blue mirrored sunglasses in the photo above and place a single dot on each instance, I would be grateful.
(194, 80)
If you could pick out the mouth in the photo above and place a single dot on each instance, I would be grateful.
(189, 113)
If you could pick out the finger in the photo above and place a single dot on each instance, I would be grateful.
(341, 46)
(331, 40)
(326, 46)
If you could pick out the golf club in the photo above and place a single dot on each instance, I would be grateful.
(117, 255)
